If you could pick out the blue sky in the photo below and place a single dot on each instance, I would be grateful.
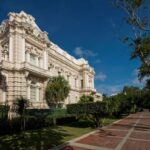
(85, 28)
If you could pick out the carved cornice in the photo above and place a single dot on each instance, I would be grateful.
(34, 42)
(67, 63)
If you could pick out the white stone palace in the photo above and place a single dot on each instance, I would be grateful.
(28, 58)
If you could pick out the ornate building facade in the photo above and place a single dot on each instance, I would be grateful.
(28, 58)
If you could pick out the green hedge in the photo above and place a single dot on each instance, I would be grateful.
(38, 112)
(34, 119)
(88, 108)
(4, 111)
(58, 113)
(50, 116)
(94, 111)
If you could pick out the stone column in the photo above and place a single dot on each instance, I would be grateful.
(23, 48)
(10, 48)
(28, 92)
(4, 96)
(45, 60)
(85, 80)
(37, 61)
(93, 82)
(37, 94)
(28, 56)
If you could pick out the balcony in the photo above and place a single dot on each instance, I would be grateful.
(38, 71)
(88, 90)
(35, 69)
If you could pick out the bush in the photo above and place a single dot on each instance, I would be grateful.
(86, 99)
(47, 117)
(4, 112)
(36, 119)
(96, 111)
(88, 108)
(38, 112)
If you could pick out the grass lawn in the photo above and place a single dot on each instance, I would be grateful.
(46, 138)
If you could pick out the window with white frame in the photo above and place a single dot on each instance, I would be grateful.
(33, 59)
(33, 94)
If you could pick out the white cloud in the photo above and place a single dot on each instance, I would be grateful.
(110, 89)
(135, 81)
(101, 76)
(79, 51)
(139, 83)
(97, 61)
(135, 72)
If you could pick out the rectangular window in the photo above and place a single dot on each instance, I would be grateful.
(33, 59)
(33, 93)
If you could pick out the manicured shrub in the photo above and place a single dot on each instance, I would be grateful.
(36, 119)
(38, 112)
(47, 117)
(96, 111)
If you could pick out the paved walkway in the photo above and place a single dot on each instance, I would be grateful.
(131, 133)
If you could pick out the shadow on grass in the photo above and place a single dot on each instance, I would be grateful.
(43, 139)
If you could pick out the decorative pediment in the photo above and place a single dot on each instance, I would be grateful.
(26, 21)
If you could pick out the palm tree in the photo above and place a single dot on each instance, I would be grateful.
(57, 90)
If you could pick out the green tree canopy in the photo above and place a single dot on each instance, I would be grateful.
(137, 17)
(57, 90)
(86, 99)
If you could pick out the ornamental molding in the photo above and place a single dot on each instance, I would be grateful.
(33, 50)
(30, 31)
(5, 51)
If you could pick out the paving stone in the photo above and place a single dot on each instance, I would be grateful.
(136, 145)
(131, 133)
(100, 140)
(73, 148)
(140, 135)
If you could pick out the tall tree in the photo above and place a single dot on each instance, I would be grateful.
(21, 104)
(57, 90)
(137, 16)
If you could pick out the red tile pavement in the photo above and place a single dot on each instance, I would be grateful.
(73, 148)
(112, 133)
(131, 133)
(136, 145)
(100, 140)
(140, 135)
